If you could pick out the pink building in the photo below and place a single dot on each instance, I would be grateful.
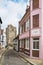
(31, 30)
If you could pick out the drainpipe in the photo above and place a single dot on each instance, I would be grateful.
(29, 36)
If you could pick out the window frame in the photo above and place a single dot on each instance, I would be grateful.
(37, 25)
(27, 24)
(26, 44)
(20, 29)
(35, 44)
(34, 6)
(20, 43)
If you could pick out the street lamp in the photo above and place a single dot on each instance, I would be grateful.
(0, 29)
(0, 20)
(0, 23)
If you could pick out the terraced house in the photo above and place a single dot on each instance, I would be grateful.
(31, 30)
(24, 29)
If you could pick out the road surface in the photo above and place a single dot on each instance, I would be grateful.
(11, 57)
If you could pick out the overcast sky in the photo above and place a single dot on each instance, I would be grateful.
(11, 11)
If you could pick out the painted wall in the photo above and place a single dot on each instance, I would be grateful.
(41, 25)
(40, 12)
(35, 31)
(24, 35)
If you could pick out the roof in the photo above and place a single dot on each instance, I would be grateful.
(27, 13)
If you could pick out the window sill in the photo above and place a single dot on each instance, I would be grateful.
(35, 49)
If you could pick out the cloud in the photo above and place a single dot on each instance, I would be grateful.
(11, 11)
(18, 1)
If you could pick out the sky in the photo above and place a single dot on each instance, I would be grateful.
(11, 12)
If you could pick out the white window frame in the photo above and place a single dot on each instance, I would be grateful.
(27, 25)
(36, 45)
(20, 29)
(27, 43)
(21, 43)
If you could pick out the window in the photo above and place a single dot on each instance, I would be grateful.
(15, 40)
(35, 43)
(20, 29)
(35, 4)
(24, 26)
(23, 29)
(1, 38)
(21, 43)
(36, 21)
(27, 25)
(12, 29)
(27, 44)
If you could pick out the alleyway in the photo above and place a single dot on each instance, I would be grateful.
(11, 58)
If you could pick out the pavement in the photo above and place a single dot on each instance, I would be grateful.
(31, 61)
(2, 52)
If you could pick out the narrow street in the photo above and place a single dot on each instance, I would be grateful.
(12, 58)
